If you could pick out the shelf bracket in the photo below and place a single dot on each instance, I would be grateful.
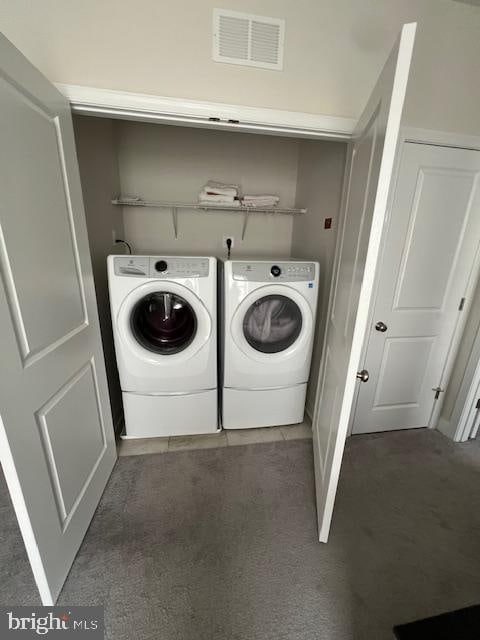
(175, 222)
(245, 222)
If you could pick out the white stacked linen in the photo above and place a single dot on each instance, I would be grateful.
(260, 201)
(219, 193)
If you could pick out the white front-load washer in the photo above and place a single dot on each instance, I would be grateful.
(164, 317)
(269, 323)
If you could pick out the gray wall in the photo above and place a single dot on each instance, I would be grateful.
(319, 189)
(97, 157)
(161, 162)
(334, 50)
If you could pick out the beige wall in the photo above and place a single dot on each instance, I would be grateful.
(319, 189)
(333, 55)
(96, 151)
(161, 162)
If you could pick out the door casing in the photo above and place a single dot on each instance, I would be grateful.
(449, 140)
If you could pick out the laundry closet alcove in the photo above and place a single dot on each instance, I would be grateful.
(167, 165)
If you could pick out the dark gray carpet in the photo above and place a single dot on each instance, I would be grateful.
(221, 544)
(17, 586)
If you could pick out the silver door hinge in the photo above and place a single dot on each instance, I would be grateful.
(461, 305)
(438, 391)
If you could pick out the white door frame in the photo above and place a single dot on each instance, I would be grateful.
(462, 423)
(469, 415)
(142, 107)
(441, 139)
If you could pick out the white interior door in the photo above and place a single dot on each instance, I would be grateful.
(56, 436)
(371, 160)
(429, 256)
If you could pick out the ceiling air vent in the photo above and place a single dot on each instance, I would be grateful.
(253, 41)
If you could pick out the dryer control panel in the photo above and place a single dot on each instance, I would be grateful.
(273, 271)
(161, 267)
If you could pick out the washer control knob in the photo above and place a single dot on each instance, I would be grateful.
(161, 265)
(275, 271)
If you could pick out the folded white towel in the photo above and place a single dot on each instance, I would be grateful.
(219, 188)
(210, 197)
(261, 198)
(260, 205)
(223, 196)
(219, 203)
(130, 198)
(260, 201)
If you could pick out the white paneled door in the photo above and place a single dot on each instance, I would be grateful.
(56, 437)
(427, 267)
(371, 159)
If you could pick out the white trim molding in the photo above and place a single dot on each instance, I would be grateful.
(215, 115)
(440, 138)
(459, 425)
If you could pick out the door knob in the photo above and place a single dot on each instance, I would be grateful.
(381, 326)
(363, 375)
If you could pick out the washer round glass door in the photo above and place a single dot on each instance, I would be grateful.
(272, 323)
(163, 322)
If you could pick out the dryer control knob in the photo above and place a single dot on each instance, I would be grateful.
(161, 265)
(275, 271)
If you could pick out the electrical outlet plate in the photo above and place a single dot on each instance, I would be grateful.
(224, 243)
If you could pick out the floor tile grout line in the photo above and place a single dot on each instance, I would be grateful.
(223, 442)
(240, 444)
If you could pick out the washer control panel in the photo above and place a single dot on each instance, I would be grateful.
(161, 267)
(273, 271)
(133, 266)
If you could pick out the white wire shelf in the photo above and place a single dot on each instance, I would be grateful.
(174, 206)
(205, 207)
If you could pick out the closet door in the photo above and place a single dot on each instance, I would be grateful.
(57, 445)
(371, 159)
(429, 261)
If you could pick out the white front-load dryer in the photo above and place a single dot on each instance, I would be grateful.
(164, 318)
(269, 323)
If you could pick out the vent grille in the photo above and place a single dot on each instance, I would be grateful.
(253, 41)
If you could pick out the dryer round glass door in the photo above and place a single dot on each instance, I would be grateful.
(163, 322)
(272, 323)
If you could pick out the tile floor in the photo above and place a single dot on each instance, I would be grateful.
(230, 438)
